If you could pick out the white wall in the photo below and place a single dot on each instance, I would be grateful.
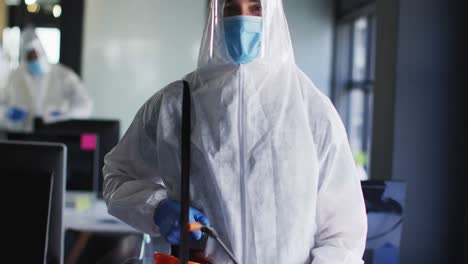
(311, 24)
(134, 48)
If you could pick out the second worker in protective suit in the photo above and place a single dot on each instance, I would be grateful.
(40, 89)
(272, 169)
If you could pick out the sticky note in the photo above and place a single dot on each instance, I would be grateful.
(88, 142)
(83, 203)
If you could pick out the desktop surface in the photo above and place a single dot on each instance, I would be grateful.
(86, 213)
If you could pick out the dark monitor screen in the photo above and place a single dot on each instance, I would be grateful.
(28, 157)
(29, 215)
(108, 132)
(82, 160)
(385, 203)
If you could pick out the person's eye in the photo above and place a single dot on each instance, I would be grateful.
(255, 6)
(257, 9)
(231, 9)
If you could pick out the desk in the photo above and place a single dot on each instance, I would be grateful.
(90, 223)
(95, 220)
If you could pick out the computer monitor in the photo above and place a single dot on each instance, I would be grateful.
(28, 157)
(108, 132)
(385, 203)
(82, 158)
(28, 218)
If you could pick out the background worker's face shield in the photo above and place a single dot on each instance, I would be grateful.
(30, 42)
(275, 40)
(32, 53)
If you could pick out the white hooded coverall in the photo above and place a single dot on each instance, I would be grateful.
(271, 164)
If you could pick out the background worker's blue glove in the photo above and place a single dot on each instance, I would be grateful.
(16, 114)
(55, 113)
(167, 216)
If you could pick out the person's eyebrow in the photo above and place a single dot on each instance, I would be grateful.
(230, 2)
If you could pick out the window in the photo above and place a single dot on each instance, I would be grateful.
(354, 83)
(59, 26)
(11, 43)
(50, 39)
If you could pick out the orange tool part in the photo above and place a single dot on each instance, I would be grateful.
(167, 259)
(192, 227)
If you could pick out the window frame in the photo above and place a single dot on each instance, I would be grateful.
(343, 82)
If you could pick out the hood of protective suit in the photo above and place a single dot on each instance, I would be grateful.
(276, 44)
(271, 165)
(30, 41)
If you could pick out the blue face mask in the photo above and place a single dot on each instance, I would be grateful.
(243, 37)
(35, 68)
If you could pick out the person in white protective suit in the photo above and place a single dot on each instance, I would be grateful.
(40, 89)
(272, 169)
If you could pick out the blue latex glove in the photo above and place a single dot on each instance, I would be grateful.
(16, 114)
(55, 113)
(167, 216)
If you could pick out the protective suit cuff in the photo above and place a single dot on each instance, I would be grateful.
(329, 255)
(352, 258)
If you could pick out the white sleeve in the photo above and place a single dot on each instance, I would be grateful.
(132, 186)
(341, 216)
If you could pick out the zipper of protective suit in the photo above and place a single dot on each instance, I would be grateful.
(242, 166)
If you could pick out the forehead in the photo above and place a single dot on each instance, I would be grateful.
(242, 1)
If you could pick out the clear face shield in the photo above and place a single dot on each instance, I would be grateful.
(34, 57)
(245, 31)
(240, 23)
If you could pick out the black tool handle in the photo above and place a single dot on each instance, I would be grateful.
(185, 174)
